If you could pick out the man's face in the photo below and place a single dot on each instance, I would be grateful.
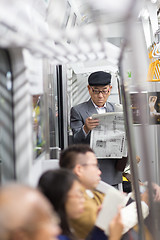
(89, 173)
(99, 94)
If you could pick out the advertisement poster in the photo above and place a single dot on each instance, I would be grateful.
(154, 107)
(139, 106)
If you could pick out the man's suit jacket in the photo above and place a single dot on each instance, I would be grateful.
(79, 114)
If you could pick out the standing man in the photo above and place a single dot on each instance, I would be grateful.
(99, 87)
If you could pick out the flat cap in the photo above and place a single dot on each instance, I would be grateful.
(99, 78)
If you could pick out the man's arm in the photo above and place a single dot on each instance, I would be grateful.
(77, 123)
(81, 128)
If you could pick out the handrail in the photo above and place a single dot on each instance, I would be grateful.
(128, 122)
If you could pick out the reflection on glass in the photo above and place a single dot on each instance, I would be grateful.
(53, 120)
(38, 125)
(150, 107)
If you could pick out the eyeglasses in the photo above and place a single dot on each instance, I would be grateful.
(97, 92)
(91, 164)
(78, 194)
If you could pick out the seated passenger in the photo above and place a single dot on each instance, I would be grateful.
(64, 191)
(82, 161)
(25, 214)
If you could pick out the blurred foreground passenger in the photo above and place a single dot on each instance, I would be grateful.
(25, 214)
(81, 159)
(64, 191)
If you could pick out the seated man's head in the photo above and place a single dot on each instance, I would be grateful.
(99, 87)
(81, 159)
(25, 214)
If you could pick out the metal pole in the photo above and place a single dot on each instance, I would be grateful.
(128, 124)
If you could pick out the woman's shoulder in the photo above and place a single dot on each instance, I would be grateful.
(63, 237)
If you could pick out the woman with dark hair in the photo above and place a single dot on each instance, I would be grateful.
(64, 191)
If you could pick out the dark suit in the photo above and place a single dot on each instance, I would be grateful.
(79, 114)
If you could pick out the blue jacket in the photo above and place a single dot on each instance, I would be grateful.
(63, 237)
(96, 234)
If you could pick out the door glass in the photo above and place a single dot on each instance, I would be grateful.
(53, 111)
(38, 125)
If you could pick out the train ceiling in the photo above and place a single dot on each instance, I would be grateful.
(73, 31)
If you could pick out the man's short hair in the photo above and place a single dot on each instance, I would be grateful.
(68, 157)
(99, 78)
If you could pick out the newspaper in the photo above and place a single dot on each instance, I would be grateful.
(107, 213)
(108, 139)
(128, 213)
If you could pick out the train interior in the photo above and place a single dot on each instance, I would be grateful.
(48, 48)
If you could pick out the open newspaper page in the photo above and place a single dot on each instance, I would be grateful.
(128, 213)
(108, 139)
(106, 214)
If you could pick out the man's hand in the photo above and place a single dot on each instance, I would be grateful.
(90, 124)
